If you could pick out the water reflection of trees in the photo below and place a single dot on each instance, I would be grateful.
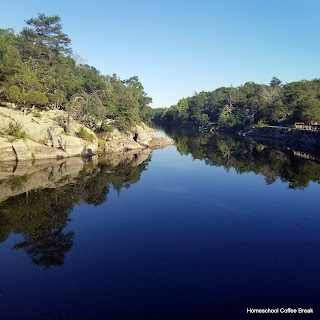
(246, 156)
(42, 215)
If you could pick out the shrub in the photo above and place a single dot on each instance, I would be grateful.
(261, 124)
(106, 127)
(36, 114)
(15, 130)
(85, 135)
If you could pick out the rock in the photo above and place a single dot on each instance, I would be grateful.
(159, 143)
(143, 135)
(21, 151)
(6, 150)
(74, 146)
(43, 132)
(121, 146)
(54, 133)
(39, 151)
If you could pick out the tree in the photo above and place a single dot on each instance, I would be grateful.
(275, 82)
(180, 111)
(25, 89)
(47, 31)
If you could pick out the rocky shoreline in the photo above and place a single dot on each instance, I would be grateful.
(302, 140)
(55, 135)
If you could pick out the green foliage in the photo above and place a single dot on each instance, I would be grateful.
(244, 156)
(42, 219)
(46, 31)
(36, 114)
(87, 109)
(247, 104)
(37, 69)
(261, 124)
(101, 144)
(17, 183)
(15, 129)
(85, 135)
(105, 127)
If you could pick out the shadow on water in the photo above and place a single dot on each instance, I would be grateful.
(37, 198)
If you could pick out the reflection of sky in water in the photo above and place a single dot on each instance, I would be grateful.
(160, 133)
(185, 242)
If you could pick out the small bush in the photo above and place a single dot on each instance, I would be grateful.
(15, 130)
(106, 127)
(261, 124)
(85, 135)
(36, 114)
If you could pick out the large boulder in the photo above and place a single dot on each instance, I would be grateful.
(159, 143)
(121, 146)
(143, 135)
(39, 151)
(21, 151)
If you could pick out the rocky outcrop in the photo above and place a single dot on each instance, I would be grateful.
(45, 136)
(54, 135)
(138, 138)
(308, 141)
(121, 146)
(160, 143)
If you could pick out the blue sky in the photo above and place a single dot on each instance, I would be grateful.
(179, 47)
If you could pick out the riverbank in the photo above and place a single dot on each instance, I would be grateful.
(302, 140)
(55, 134)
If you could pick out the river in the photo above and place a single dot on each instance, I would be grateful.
(203, 229)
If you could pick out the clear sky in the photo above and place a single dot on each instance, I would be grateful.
(179, 47)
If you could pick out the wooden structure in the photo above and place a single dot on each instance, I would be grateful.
(308, 127)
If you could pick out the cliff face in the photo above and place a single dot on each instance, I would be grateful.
(55, 135)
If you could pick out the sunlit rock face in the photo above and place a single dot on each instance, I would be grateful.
(55, 135)
(45, 136)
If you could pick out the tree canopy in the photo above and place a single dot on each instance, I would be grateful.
(37, 70)
(248, 104)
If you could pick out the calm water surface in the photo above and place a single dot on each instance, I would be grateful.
(200, 230)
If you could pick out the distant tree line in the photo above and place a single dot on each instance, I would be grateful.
(251, 103)
(38, 70)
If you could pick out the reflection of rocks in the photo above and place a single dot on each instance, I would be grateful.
(37, 197)
(307, 141)
(130, 158)
(21, 177)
